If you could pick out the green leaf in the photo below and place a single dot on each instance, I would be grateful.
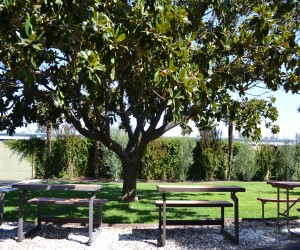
(28, 26)
(100, 68)
(38, 46)
(156, 76)
(32, 37)
(112, 73)
(165, 27)
(120, 38)
(169, 16)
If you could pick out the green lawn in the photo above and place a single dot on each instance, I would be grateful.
(144, 210)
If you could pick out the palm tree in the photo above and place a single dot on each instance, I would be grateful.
(230, 146)
(49, 148)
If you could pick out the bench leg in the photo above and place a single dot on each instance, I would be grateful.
(93, 234)
(164, 223)
(1, 208)
(100, 216)
(20, 215)
(233, 237)
(222, 218)
(91, 216)
(263, 211)
(159, 218)
(39, 219)
(21, 234)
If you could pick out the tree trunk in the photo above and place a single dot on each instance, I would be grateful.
(130, 170)
(48, 153)
(96, 159)
(230, 148)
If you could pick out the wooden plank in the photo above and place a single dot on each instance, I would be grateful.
(202, 188)
(65, 201)
(58, 187)
(284, 184)
(191, 203)
(275, 200)
(193, 222)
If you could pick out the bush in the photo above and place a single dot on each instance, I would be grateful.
(70, 157)
(173, 159)
(110, 163)
(265, 158)
(210, 157)
(244, 165)
(284, 165)
(167, 159)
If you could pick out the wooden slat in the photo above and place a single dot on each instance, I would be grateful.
(65, 201)
(275, 200)
(202, 188)
(190, 203)
(193, 222)
(58, 187)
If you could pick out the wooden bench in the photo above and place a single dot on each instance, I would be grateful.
(193, 203)
(99, 203)
(266, 200)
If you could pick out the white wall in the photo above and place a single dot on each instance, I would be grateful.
(12, 166)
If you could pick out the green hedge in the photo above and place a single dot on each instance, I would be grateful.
(168, 159)
(172, 159)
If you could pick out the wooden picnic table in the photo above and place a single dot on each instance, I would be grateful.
(164, 189)
(42, 186)
(287, 186)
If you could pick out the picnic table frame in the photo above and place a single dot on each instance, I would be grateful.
(3, 191)
(203, 188)
(287, 186)
(26, 187)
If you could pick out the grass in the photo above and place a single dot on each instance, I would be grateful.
(144, 211)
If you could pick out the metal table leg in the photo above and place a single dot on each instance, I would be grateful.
(164, 219)
(20, 215)
(234, 238)
(91, 218)
(1, 207)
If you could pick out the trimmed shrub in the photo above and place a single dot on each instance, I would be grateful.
(244, 163)
(167, 159)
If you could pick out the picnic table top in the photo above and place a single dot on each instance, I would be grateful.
(199, 188)
(284, 184)
(60, 187)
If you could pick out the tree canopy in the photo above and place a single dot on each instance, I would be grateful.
(145, 66)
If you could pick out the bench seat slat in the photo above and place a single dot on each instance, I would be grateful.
(191, 203)
(275, 200)
(66, 201)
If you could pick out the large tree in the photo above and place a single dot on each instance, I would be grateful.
(146, 66)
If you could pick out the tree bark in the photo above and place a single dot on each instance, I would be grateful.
(129, 193)
(49, 148)
(96, 159)
(131, 165)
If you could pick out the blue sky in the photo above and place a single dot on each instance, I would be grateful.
(288, 120)
(289, 117)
